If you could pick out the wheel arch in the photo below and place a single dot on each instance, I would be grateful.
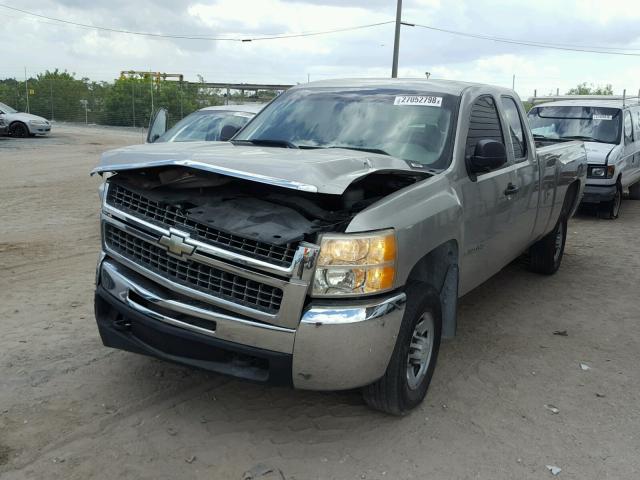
(11, 125)
(439, 269)
(571, 199)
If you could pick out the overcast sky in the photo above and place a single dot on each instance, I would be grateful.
(39, 44)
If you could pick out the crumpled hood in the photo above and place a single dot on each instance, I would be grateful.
(318, 170)
(597, 152)
(24, 117)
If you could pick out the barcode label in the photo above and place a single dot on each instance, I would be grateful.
(602, 117)
(422, 100)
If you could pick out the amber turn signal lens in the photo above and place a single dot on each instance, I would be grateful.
(379, 278)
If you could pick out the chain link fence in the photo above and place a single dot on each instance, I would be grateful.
(127, 101)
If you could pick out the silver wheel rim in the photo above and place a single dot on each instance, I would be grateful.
(420, 350)
(559, 236)
(616, 203)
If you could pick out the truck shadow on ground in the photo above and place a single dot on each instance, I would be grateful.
(489, 327)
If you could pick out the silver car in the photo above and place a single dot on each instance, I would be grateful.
(21, 124)
(210, 124)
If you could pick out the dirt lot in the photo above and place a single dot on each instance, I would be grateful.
(72, 409)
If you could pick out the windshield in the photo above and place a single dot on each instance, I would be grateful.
(204, 125)
(7, 109)
(595, 124)
(413, 126)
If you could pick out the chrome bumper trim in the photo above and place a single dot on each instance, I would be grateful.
(225, 327)
(340, 348)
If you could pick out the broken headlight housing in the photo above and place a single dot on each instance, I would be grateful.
(355, 264)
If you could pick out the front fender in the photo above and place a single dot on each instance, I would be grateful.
(425, 216)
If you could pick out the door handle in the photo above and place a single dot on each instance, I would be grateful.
(511, 189)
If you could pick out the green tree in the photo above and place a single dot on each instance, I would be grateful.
(584, 89)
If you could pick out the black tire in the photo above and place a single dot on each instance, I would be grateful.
(634, 191)
(393, 393)
(611, 209)
(19, 130)
(545, 256)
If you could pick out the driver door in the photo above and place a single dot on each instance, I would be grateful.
(487, 202)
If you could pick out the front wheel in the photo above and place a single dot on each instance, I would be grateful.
(405, 383)
(611, 209)
(546, 254)
(19, 130)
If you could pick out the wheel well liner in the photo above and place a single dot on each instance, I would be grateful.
(439, 269)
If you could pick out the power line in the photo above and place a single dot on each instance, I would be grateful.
(554, 46)
(195, 37)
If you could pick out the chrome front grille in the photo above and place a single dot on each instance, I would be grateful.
(196, 275)
(170, 216)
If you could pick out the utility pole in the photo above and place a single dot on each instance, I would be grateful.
(151, 78)
(133, 102)
(396, 41)
(84, 103)
(51, 91)
(513, 82)
(180, 91)
(26, 87)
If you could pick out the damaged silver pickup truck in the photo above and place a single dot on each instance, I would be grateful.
(325, 247)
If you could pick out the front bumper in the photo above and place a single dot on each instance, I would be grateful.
(335, 346)
(598, 193)
(39, 129)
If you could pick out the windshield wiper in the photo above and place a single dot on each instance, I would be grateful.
(266, 142)
(584, 138)
(361, 149)
(537, 136)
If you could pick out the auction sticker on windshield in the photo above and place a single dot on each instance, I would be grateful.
(423, 100)
(602, 117)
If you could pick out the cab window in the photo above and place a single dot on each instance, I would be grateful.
(484, 124)
(628, 127)
(516, 130)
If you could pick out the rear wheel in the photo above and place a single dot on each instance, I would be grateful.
(405, 383)
(19, 130)
(634, 191)
(545, 256)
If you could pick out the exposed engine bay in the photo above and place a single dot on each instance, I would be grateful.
(259, 211)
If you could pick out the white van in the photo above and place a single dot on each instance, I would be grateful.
(611, 132)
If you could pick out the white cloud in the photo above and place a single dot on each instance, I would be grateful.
(101, 55)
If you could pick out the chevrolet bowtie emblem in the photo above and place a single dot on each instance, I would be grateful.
(176, 244)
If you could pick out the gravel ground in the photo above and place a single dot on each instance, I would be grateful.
(73, 409)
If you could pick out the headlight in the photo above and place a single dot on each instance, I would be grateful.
(355, 264)
(602, 172)
(37, 122)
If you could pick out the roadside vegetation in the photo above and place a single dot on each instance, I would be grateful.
(127, 101)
